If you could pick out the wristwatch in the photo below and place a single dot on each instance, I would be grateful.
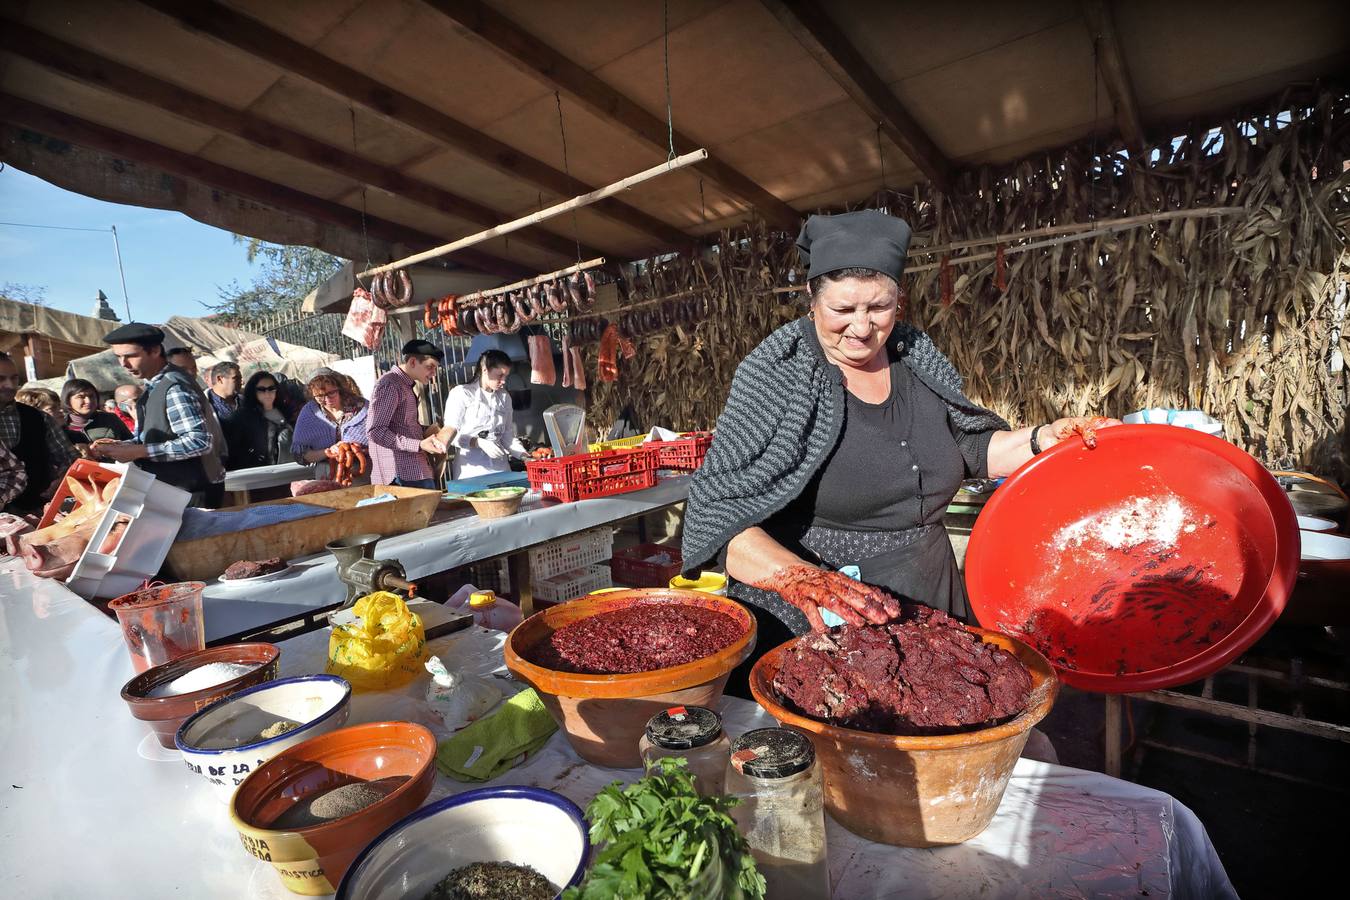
(1035, 444)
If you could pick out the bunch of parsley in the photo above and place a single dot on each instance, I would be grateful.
(658, 835)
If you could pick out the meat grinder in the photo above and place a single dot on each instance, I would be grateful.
(362, 573)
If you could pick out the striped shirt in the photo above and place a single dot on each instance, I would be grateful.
(314, 430)
(395, 432)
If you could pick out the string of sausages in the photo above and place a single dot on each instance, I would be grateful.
(346, 460)
(506, 313)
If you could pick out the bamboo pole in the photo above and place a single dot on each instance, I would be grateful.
(577, 202)
(1066, 234)
(514, 286)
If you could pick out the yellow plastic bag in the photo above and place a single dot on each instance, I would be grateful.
(385, 649)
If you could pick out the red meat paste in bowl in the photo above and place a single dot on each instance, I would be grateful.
(637, 639)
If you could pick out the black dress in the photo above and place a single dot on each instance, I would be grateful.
(877, 502)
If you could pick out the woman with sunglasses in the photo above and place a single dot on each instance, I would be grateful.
(337, 413)
(259, 434)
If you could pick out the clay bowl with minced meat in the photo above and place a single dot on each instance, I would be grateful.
(923, 791)
(603, 715)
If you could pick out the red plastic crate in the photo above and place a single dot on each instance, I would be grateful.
(685, 453)
(630, 566)
(585, 475)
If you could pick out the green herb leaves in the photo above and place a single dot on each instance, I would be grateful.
(661, 840)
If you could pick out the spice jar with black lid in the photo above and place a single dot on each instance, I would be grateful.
(776, 776)
(693, 733)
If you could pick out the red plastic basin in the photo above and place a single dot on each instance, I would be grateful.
(1151, 561)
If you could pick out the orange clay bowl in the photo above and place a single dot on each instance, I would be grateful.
(915, 791)
(313, 860)
(604, 716)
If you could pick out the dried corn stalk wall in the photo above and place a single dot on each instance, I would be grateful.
(1237, 315)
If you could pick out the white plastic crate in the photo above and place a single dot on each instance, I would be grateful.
(571, 585)
(571, 553)
(155, 510)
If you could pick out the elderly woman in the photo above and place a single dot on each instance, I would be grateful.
(845, 437)
(84, 421)
(336, 414)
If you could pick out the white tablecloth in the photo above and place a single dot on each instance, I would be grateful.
(313, 583)
(94, 808)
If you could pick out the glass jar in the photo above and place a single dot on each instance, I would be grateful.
(693, 733)
(775, 775)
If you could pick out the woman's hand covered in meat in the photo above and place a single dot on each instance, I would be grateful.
(1087, 426)
(809, 589)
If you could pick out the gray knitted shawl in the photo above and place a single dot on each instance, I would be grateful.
(782, 420)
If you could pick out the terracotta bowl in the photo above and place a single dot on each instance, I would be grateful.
(313, 860)
(603, 716)
(496, 503)
(915, 791)
(165, 714)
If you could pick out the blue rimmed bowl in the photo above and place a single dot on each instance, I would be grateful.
(526, 826)
(223, 742)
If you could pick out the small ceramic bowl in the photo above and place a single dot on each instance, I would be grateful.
(165, 714)
(312, 859)
(526, 826)
(222, 742)
(496, 503)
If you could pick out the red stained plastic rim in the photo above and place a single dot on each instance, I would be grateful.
(1047, 562)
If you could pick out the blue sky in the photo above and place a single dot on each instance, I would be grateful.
(171, 261)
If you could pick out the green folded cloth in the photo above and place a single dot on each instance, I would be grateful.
(496, 743)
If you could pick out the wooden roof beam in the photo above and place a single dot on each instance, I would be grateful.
(252, 37)
(105, 74)
(528, 54)
(835, 53)
(1101, 26)
(24, 113)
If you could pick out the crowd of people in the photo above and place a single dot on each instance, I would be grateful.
(190, 435)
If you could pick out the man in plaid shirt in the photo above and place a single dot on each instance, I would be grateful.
(40, 445)
(177, 435)
(398, 442)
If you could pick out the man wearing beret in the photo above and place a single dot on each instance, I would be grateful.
(398, 441)
(40, 445)
(177, 435)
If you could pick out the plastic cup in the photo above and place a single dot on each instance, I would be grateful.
(161, 623)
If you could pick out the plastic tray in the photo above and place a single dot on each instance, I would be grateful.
(155, 511)
(685, 454)
(573, 552)
(1152, 561)
(585, 475)
(630, 566)
(571, 585)
(617, 443)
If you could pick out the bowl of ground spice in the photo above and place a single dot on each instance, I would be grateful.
(313, 807)
(227, 740)
(917, 724)
(605, 665)
(493, 843)
(165, 695)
